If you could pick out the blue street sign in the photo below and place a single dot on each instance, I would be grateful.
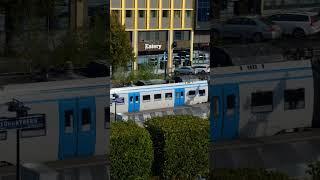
(118, 100)
(28, 122)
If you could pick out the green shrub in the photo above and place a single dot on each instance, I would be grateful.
(246, 174)
(181, 146)
(131, 151)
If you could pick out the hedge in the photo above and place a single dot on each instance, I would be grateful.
(181, 146)
(131, 151)
(246, 174)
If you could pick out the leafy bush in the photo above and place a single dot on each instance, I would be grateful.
(131, 151)
(246, 174)
(314, 170)
(181, 146)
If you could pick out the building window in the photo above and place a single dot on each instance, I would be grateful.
(177, 13)
(157, 97)
(165, 13)
(188, 14)
(202, 92)
(178, 35)
(262, 101)
(154, 14)
(168, 95)
(192, 93)
(146, 98)
(128, 13)
(141, 13)
(294, 99)
(203, 10)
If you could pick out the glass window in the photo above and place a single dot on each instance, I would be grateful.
(182, 94)
(146, 98)
(128, 13)
(168, 95)
(141, 13)
(215, 106)
(137, 98)
(294, 99)
(131, 99)
(177, 13)
(68, 118)
(192, 93)
(231, 102)
(154, 13)
(202, 92)
(165, 13)
(188, 13)
(157, 97)
(249, 22)
(262, 101)
(86, 116)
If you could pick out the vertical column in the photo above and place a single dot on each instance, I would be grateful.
(135, 35)
(262, 7)
(123, 12)
(160, 14)
(191, 45)
(79, 15)
(171, 26)
(183, 18)
(148, 14)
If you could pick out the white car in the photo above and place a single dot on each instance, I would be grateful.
(297, 24)
(201, 69)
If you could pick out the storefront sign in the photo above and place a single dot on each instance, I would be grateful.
(152, 46)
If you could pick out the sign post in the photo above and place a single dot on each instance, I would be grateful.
(116, 100)
(21, 121)
(165, 64)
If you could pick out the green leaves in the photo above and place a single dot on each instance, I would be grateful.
(181, 146)
(131, 151)
(246, 174)
(314, 170)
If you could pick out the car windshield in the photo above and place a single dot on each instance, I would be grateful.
(266, 21)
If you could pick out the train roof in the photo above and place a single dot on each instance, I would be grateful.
(158, 86)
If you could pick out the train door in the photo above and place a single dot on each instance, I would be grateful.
(86, 126)
(77, 127)
(225, 108)
(134, 102)
(179, 97)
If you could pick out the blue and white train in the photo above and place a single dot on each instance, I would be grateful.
(144, 98)
(76, 120)
(264, 99)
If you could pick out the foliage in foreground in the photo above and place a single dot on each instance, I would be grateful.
(131, 151)
(181, 146)
(314, 170)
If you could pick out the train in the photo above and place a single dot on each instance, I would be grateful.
(76, 115)
(264, 99)
(160, 96)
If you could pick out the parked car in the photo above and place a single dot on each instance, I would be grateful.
(184, 70)
(254, 28)
(201, 69)
(297, 24)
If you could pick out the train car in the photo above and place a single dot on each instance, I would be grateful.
(142, 98)
(262, 99)
(76, 120)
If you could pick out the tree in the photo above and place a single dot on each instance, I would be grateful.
(121, 52)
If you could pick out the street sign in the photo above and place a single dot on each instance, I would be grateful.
(118, 100)
(27, 122)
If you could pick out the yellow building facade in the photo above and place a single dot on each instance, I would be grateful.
(155, 25)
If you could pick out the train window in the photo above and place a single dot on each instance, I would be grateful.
(68, 121)
(107, 117)
(157, 97)
(131, 99)
(146, 98)
(262, 101)
(215, 107)
(294, 99)
(231, 103)
(192, 93)
(182, 94)
(168, 95)
(202, 92)
(3, 135)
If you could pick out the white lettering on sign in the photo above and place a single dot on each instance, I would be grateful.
(152, 46)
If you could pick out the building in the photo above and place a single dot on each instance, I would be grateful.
(202, 25)
(157, 26)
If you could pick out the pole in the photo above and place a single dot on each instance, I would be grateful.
(115, 110)
(18, 151)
